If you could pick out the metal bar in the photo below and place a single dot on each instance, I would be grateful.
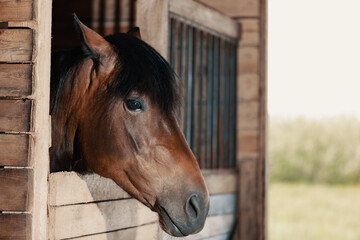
(195, 98)
(232, 122)
(189, 84)
(221, 95)
(209, 108)
(227, 104)
(215, 99)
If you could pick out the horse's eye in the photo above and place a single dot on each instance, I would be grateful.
(134, 105)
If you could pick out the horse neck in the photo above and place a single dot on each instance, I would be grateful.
(67, 101)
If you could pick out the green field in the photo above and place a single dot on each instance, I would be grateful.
(313, 212)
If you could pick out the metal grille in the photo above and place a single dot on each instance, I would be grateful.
(206, 66)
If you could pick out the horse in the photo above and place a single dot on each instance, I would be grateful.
(113, 107)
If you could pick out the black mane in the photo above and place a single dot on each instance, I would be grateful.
(142, 70)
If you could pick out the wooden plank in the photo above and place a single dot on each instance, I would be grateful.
(82, 219)
(11, 10)
(15, 115)
(71, 188)
(223, 236)
(235, 8)
(247, 200)
(148, 232)
(152, 17)
(206, 17)
(16, 45)
(15, 226)
(215, 225)
(248, 87)
(41, 119)
(221, 204)
(249, 32)
(248, 142)
(248, 115)
(248, 60)
(14, 150)
(220, 181)
(15, 80)
(262, 165)
(15, 187)
(85, 188)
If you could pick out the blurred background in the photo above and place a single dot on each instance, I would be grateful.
(314, 119)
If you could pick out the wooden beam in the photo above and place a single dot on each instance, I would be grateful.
(205, 17)
(220, 181)
(82, 219)
(15, 115)
(15, 80)
(15, 226)
(11, 10)
(152, 16)
(222, 204)
(84, 188)
(15, 188)
(16, 45)
(148, 232)
(14, 150)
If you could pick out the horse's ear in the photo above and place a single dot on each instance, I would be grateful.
(93, 44)
(135, 32)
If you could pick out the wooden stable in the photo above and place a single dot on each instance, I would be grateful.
(37, 205)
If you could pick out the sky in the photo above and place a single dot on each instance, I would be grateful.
(313, 58)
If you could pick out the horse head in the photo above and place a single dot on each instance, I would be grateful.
(113, 113)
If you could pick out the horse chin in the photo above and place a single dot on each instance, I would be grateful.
(168, 225)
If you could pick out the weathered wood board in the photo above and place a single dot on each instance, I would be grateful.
(15, 115)
(82, 219)
(220, 181)
(14, 150)
(148, 232)
(15, 187)
(84, 188)
(222, 204)
(12, 10)
(16, 45)
(15, 80)
(15, 226)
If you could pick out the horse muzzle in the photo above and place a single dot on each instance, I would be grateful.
(182, 219)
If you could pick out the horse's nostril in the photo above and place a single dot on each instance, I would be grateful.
(193, 206)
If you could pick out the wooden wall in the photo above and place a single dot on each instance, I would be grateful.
(251, 116)
(104, 16)
(24, 117)
(93, 207)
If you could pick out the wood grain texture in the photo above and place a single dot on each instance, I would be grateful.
(152, 16)
(205, 16)
(15, 187)
(248, 60)
(235, 8)
(148, 232)
(85, 188)
(214, 226)
(11, 10)
(16, 45)
(221, 204)
(71, 188)
(15, 80)
(250, 34)
(247, 201)
(82, 219)
(14, 150)
(248, 115)
(247, 145)
(15, 226)
(220, 181)
(15, 115)
(248, 87)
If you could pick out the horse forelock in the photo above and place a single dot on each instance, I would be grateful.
(145, 71)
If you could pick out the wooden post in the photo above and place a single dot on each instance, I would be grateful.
(41, 120)
(152, 16)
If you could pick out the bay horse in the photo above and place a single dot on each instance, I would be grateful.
(113, 104)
